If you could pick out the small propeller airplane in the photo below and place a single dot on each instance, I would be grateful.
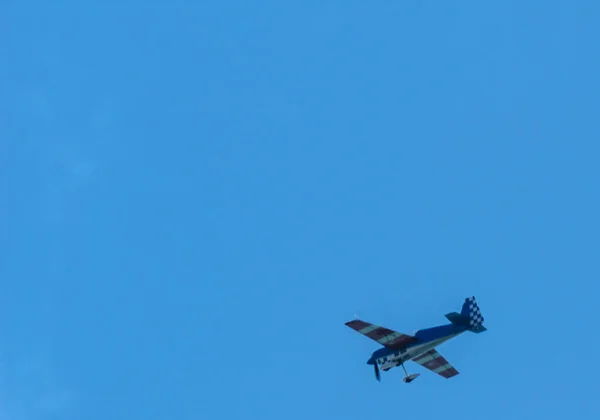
(399, 348)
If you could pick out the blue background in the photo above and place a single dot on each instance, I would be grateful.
(197, 195)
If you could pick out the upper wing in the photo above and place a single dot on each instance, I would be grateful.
(436, 363)
(382, 335)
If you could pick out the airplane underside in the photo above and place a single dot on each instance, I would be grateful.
(400, 357)
(420, 347)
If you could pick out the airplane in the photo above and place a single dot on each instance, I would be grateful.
(420, 347)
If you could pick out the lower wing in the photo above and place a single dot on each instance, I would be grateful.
(436, 363)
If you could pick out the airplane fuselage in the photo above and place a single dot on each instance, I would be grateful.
(428, 339)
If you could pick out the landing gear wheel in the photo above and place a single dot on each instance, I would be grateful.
(409, 378)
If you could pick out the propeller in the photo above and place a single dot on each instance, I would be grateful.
(377, 375)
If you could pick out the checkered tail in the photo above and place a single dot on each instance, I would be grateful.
(471, 311)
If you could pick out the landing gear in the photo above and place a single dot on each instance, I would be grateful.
(409, 378)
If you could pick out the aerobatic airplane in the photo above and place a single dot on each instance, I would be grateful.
(420, 347)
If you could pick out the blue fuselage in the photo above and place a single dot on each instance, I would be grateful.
(428, 339)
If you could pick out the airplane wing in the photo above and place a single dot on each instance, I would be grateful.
(436, 363)
(384, 336)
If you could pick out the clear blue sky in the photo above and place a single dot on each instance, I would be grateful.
(197, 195)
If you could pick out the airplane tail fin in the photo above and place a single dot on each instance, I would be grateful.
(470, 316)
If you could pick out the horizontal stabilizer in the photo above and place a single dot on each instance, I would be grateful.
(457, 318)
(478, 329)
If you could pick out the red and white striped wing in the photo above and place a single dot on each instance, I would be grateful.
(382, 335)
(436, 363)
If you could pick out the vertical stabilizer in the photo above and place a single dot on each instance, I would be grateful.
(471, 311)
